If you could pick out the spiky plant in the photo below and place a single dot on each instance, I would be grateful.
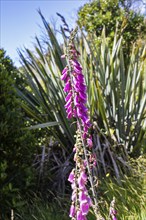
(116, 98)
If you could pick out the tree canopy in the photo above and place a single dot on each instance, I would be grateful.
(92, 17)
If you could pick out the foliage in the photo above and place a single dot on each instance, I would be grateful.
(95, 15)
(116, 98)
(44, 103)
(38, 209)
(117, 101)
(118, 92)
(130, 199)
(130, 194)
(17, 145)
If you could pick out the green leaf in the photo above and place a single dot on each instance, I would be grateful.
(44, 125)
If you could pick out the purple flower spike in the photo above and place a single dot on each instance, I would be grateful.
(76, 101)
(113, 211)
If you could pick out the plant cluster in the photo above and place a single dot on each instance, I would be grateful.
(115, 98)
(17, 145)
(93, 16)
(108, 105)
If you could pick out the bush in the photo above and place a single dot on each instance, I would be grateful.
(97, 14)
(17, 144)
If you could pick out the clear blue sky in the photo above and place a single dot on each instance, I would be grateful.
(20, 20)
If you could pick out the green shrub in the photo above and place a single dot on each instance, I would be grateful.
(93, 16)
(17, 144)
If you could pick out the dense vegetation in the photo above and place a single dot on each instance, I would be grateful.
(112, 14)
(35, 162)
(17, 145)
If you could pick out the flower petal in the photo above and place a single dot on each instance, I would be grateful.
(72, 211)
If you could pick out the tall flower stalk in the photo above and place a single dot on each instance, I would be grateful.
(76, 100)
(113, 211)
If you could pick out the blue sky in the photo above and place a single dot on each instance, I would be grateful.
(20, 21)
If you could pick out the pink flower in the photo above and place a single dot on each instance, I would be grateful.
(69, 95)
(67, 87)
(89, 142)
(82, 196)
(63, 56)
(76, 64)
(71, 176)
(64, 70)
(72, 211)
(77, 70)
(83, 175)
(113, 212)
(76, 101)
(64, 76)
(73, 186)
(80, 77)
(84, 206)
(70, 115)
(69, 102)
(81, 183)
(83, 96)
(82, 180)
(80, 216)
(74, 195)
(79, 112)
(69, 109)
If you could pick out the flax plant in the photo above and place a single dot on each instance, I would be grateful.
(116, 98)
